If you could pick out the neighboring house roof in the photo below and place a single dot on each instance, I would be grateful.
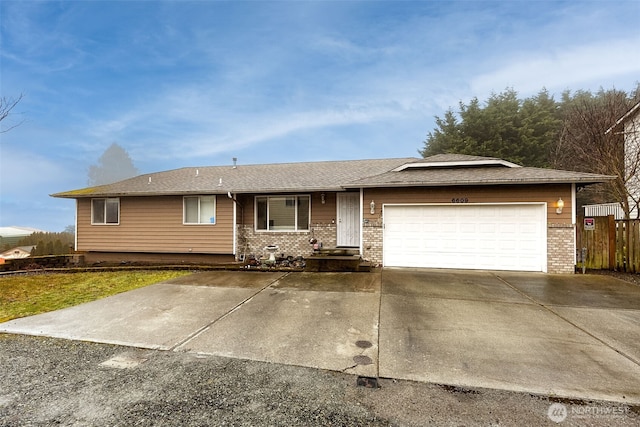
(17, 252)
(604, 209)
(439, 170)
(632, 112)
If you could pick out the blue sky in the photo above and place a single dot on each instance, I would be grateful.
(197, 83)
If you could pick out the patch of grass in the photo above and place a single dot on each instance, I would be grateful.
(27, 295)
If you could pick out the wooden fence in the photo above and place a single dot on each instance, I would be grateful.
(604, 243)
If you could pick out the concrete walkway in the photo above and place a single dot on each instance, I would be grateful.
(568, 336)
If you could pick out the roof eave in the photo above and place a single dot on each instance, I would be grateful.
(624, 118)
(485, 182)
(223, 191)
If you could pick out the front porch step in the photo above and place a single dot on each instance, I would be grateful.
(336, 260)
(336, 252)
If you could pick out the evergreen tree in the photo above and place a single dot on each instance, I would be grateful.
(539, 131)
(60, 243)
(58, 249)
(521, 131)
(114, 165)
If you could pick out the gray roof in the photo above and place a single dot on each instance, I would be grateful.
(261, 178)
(439, 170)
(459, 169)
(439, 177)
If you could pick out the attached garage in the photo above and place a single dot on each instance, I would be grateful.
(509, 236)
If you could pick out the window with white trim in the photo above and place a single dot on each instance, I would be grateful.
(282, 213)
(105, 211)
(199, 210)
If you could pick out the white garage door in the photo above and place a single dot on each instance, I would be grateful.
(482, 237)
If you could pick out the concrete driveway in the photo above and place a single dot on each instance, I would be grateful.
(571, 336)
(568, 336)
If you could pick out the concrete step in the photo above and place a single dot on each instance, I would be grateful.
(336, 263)
(336, 252)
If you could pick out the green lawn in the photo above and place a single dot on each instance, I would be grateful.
(26, 295)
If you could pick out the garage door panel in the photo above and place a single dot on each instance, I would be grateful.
(487, 228)
(529, 228)
(432, 245)
(500, 237)
(487, 245)
(466, 227)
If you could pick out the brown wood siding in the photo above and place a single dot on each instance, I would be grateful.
(245, 213)
(489, 194)
(323, 214)
(154, 224)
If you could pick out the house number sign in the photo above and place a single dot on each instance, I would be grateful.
(460, 200)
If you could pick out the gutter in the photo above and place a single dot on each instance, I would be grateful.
(216, 191)
(603, 178)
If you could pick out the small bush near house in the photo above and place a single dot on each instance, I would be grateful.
(30, 294)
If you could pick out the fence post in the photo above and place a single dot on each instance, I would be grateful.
(612, 242)
(635, 244)
(631, 256)
(622, 245)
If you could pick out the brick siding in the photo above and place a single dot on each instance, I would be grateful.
(251, 242)
(560, 248)
(372, 241)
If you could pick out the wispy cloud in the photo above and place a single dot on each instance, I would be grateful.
(190, 128)
(180, 83)
(562, 68)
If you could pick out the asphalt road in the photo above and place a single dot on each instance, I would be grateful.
(48, 381)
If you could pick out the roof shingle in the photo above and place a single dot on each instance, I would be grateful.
(329, 176)
(261, 178)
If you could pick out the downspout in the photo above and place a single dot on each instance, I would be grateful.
(574, 208)
(361, 220)
(75, 237)
(235, 224)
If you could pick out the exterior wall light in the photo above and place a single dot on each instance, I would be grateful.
(372, 205)
(322, 199)
(559, 205)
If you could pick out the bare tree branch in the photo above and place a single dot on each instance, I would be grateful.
(585, 145)
(6, 106)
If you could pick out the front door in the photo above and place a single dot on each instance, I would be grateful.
(348, 219)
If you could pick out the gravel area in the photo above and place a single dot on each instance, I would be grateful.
(46, 381)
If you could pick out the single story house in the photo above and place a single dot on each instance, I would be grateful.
(445, 211)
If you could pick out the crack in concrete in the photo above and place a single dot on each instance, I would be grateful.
(344, 371)
(555, 313)
(236, 307)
